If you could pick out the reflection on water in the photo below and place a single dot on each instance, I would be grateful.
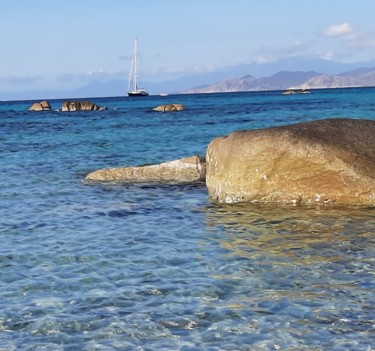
(294, 235)
(304, 277)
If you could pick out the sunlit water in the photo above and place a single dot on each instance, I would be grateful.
(161, 267)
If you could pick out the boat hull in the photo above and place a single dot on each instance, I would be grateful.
(137, 93)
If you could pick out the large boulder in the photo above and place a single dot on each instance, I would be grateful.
(40, 106)
(81, 106)
(186, 170)
(169, 108)
(325, 161)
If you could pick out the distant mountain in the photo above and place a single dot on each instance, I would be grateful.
(362, 77)
(294, 64)
(281, 74)
(278, 81)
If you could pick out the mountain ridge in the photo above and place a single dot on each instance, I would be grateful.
(283, 80)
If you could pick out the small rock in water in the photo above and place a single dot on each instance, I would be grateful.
(81, 106)
(169, 108)
(40, 106)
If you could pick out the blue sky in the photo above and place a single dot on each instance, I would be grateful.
(62, 44)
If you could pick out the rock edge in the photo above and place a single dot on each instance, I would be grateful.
(185, 170)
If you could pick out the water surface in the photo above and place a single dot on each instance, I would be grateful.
(161, 267)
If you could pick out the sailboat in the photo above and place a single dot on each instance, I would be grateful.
(133, 89)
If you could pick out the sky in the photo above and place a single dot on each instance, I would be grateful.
(65, 44)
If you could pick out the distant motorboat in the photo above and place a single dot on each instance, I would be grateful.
(133, 89)
(163, 94)
(296, 91)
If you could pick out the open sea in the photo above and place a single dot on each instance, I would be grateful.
(89, 266)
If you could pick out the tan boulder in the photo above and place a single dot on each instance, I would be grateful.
(40, 106)
(326, 161)
(190, 169)
(81, 106)
(169, 108)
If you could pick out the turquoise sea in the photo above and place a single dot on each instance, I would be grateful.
(87, 266)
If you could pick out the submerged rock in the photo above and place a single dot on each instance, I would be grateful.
(169, 108)
(40, 106)
(81, 106)
(190, 169)
(325, 161)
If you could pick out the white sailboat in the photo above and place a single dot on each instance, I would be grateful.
(133, 89)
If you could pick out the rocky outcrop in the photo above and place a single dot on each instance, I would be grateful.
(229, 85)
(81, 106)
(362, 77)
(185, 170)
(40, 106)
(169, 108)
(326, 161)
(279, 81)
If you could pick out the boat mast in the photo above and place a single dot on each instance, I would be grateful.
(133, 70)
(135, 65)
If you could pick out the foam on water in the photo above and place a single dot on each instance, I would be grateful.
(148, 267)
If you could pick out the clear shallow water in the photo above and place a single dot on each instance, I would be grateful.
(146, 267)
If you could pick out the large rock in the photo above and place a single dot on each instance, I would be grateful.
(185, 170)
(169, 108)
(40, 106)
(326, 161)
(80, 106)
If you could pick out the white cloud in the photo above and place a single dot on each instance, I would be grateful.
(271, 54)
(339, 30)
(351, 37)
(99, 75)
(329, 56)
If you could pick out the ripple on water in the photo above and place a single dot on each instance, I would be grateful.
(145, 267)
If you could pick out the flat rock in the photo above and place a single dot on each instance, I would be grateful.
(190, 169)
(169, 108)
(325, 161)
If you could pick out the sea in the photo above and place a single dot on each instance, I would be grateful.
(110, 266)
